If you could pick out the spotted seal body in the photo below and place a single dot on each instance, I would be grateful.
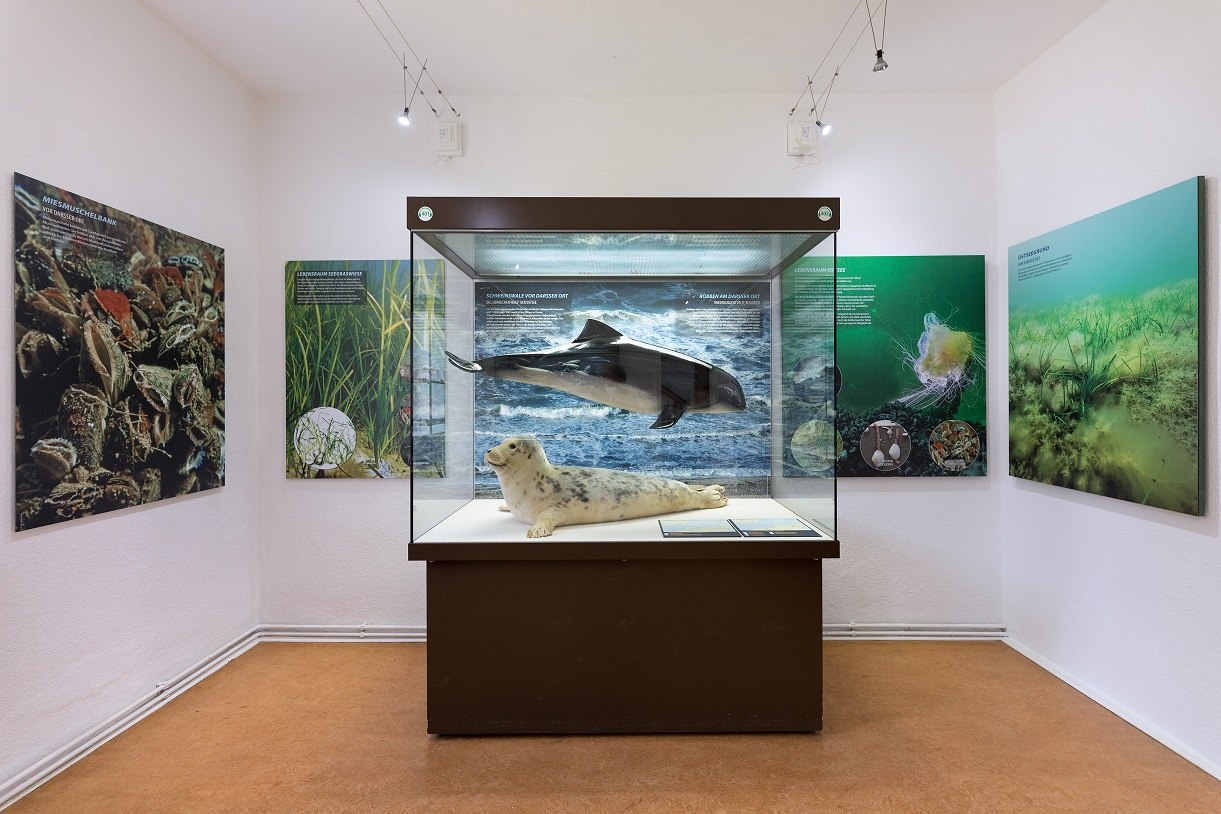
(547, 496)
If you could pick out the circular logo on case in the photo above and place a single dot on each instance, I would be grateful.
(824, 213)
(425, 213)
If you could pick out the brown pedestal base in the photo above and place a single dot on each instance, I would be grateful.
(649, 645)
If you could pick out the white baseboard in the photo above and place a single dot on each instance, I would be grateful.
(1144, 725)
(342, 633)
(886, 632)
(419, 633)
(17, 787)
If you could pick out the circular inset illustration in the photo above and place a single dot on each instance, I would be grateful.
(816, 445)
(816, 380)
(885, 445)
(324, 438)
(954, 445)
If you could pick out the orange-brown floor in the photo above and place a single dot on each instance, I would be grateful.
(910, 727)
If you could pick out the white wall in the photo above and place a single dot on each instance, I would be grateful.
(1122, 600)
(915, 174)
(94, 613)
(104, 100)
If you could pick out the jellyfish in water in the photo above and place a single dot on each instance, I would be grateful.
(944, 364)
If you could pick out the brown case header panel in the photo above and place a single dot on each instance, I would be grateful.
(439, 214)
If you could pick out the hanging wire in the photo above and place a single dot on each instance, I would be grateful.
(874, 33)
(809, 88)
(809, 79)
(402, 61)
(885, 8)
(423, 63)
(879, 49)
(826, 94)
(400, 32)
(823, 98)
(416, 89)
(440, 92)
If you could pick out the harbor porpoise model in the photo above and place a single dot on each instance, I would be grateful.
(605, 366)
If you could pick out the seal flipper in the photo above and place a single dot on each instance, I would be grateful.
(462, 364)
(669, 416)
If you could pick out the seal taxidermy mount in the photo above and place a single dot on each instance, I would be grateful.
(604, 366)
(547, 496)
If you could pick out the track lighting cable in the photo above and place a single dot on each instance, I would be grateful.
(402, 61)
(423, 63)
(823, 98)
(885, 8)
(810, 78)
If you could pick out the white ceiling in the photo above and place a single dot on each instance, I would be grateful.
(619, 47)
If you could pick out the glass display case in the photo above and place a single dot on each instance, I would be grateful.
(671, 297)
(613, 389)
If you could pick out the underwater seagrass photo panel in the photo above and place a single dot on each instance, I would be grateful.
(120, 345)
(348, 376)
(1104, 353)
(905, 395)
(629, 356)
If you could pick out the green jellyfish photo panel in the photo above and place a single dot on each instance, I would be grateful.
(348, 385)
(905, 394)
(120, 335)
(909, 335)
(1104, 350)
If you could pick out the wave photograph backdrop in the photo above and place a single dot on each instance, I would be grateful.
(724, 324)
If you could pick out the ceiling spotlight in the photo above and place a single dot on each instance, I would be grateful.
(884, 5)
(823, 128)
(405, 116)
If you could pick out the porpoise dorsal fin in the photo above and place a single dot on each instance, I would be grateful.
(596, 330)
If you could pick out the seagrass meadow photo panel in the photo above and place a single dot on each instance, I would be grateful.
(348, 373)
(120, 355)
(1104, 353)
